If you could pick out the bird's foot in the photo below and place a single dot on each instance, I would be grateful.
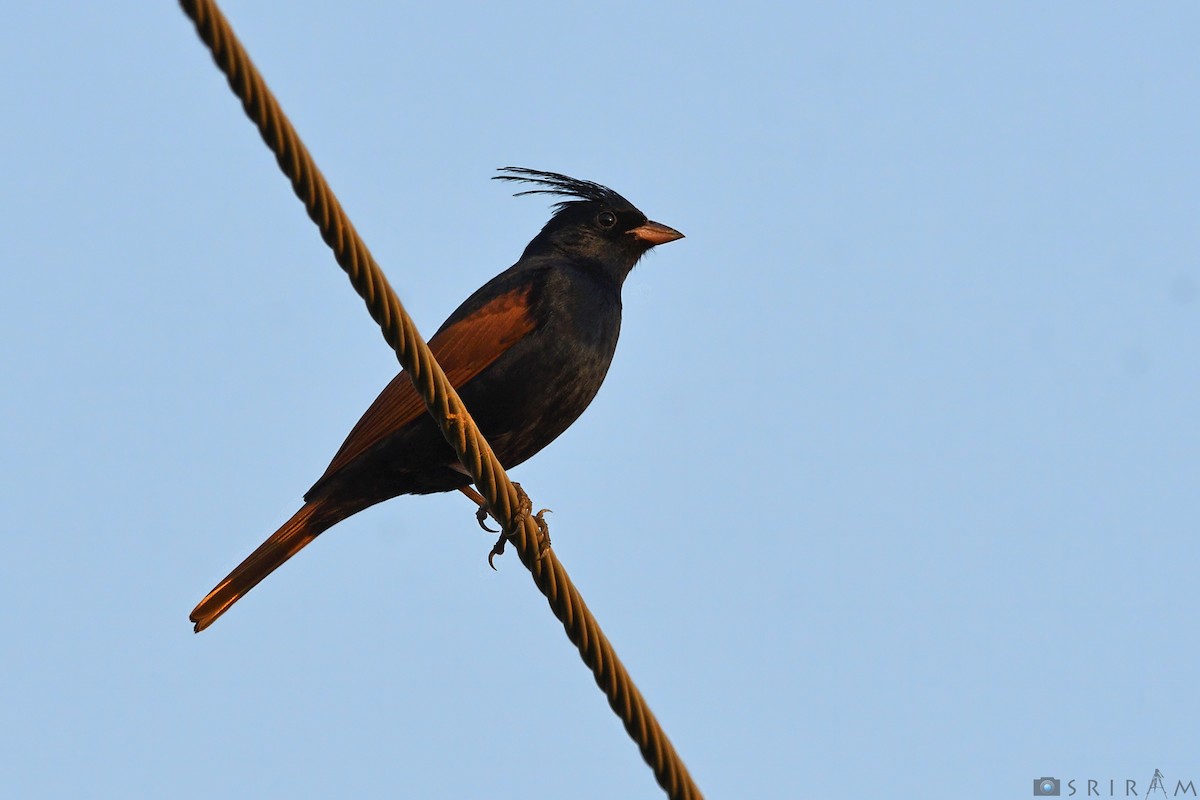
(524, 506)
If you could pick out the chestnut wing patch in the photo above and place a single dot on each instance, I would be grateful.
(464, 349)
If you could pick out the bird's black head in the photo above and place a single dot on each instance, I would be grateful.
(598, 225)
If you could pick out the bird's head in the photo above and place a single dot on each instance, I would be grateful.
(596, 225)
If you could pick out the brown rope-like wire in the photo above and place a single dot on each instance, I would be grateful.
(440, 398)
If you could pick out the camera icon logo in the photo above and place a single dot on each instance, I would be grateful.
(1047, 787)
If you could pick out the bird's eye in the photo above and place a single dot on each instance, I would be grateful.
(606, 219)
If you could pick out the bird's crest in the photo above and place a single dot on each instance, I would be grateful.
(559, 185)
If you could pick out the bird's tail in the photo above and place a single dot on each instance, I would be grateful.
(304, 526)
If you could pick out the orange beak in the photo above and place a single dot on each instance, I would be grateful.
(655, 233)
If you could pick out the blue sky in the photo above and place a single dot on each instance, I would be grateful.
(891, 490)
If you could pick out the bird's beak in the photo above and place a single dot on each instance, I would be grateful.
(654, 233)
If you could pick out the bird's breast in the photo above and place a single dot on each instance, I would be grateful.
(545, 382)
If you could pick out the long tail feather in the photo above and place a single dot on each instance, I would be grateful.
(290, 539)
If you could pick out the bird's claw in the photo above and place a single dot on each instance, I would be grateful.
(481, 516)
(482, 509)
(524, 506)
(497, 550)
(544, 527)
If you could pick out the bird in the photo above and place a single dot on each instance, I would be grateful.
(527, 353)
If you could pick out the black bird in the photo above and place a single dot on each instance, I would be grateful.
(527, 352)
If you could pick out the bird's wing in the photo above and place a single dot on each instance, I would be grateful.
(463, 349)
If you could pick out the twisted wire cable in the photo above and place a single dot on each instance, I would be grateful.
(507, 505)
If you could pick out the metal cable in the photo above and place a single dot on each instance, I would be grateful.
(509, 507)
